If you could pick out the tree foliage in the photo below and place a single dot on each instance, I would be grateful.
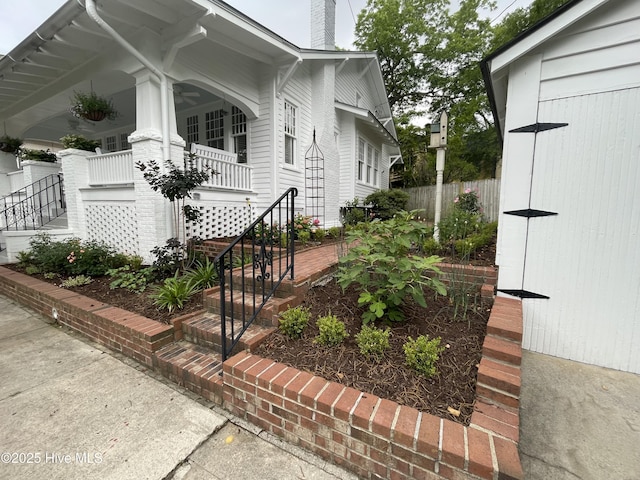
(429, 58)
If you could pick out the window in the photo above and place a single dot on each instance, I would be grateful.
(124, 141)
(239, 133)
(192, 129)
(376, 167)
(214, 127)
(290, 133)
(110, 144)
(361, 149)
(368, 166)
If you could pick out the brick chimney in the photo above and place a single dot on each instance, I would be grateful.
(323, 24)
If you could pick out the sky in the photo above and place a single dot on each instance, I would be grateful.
(287, 18)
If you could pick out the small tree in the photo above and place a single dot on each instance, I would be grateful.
(176, 185)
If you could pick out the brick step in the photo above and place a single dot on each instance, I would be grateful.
(503, 421)
(495, 396)
(205, 330)
(502, 325)
(268, 315)
(500, 376)
(193, 367)
(502, 350)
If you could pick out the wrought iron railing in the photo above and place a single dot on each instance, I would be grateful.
(33, 206)
(253, 266)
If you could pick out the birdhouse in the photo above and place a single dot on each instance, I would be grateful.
(439, 132)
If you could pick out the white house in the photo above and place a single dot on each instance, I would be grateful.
(566, 97)
(183, 72)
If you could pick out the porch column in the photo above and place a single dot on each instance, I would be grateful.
(153, 212)
(75, 170)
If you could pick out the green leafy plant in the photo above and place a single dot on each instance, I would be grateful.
(304, 237)
(293, 321)
(352, 213)
(458, 225)
(373, 341)
(80, 142)
(50, 275)
(92, 106)
(332, 331)
(386, 203)
(10, 144)
(32, 270)
(468, 201)
(422, 354)
(382, 263)
(130, 279)
(174, 293)
(431, 247)
(37, 155)
(76, 281)
(334, 232)
(176, 186)
(72, 256)
(318, 234)
(204, 274)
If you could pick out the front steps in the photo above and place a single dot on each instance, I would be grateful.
(194, 360)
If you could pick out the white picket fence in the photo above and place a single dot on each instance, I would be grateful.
(424, 198)
(111, 168)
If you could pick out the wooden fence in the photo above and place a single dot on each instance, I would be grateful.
(424, 198)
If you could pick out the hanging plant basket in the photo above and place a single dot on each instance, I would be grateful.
(9, 144)
(95, 116)
(93, 107)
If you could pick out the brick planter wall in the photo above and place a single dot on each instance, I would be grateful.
(377, 438)
(133, 335)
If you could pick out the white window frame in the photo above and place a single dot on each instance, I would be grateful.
(290, 130)
(111, 143)
(214, 129)
(193, 129)
(239, 134)
(367, 163)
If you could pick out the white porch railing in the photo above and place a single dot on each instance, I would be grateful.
(229, 175)
(111, 168)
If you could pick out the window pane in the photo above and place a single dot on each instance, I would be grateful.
(111, 145)
(192, 129)
(290, 133)
(361, 148)
(214, 126)
(240, 147)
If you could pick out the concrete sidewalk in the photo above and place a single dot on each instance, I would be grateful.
(578, 421)
(69, 410)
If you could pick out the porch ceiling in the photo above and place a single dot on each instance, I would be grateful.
(38, 77)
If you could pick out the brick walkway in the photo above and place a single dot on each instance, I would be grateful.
(315, 262)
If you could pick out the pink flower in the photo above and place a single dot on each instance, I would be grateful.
(468, 190)
(456, 200)
(316, 222)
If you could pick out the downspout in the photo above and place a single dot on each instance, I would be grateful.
(90, 6)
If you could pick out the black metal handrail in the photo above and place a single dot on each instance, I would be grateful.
(260, 258)
(33, 206)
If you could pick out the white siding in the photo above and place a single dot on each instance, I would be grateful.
(599, 53)
(586, 258)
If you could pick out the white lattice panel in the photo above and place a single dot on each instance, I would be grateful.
(113, 224)
(221, 221)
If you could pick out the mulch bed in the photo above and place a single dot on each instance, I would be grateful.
(454, 386)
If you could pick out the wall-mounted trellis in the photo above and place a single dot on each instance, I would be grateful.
(314, 182)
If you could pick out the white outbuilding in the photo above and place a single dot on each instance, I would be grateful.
(566, 98)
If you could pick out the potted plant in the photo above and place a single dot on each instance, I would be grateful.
(79, 142)
(92, 107)
(10, 144)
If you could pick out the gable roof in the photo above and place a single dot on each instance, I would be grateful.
(495, 66)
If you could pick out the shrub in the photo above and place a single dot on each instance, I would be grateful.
(431, 247)
(304, 237)
(468, 202)
(334, 232)
(174, 293)
(318, 234)
(372, 341)
(80, 142)
(422, 354)
(72, 256)
(132, 280)
(381, 263)
(293, 321)
(353, 216)
(204, 275)
(386, 203)
(332, 331)
(76, 281)
(458, 225)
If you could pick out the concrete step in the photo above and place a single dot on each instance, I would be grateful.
(206, 331)
(193, 367)
(242, 303)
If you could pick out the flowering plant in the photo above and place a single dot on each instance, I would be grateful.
(468, 202)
